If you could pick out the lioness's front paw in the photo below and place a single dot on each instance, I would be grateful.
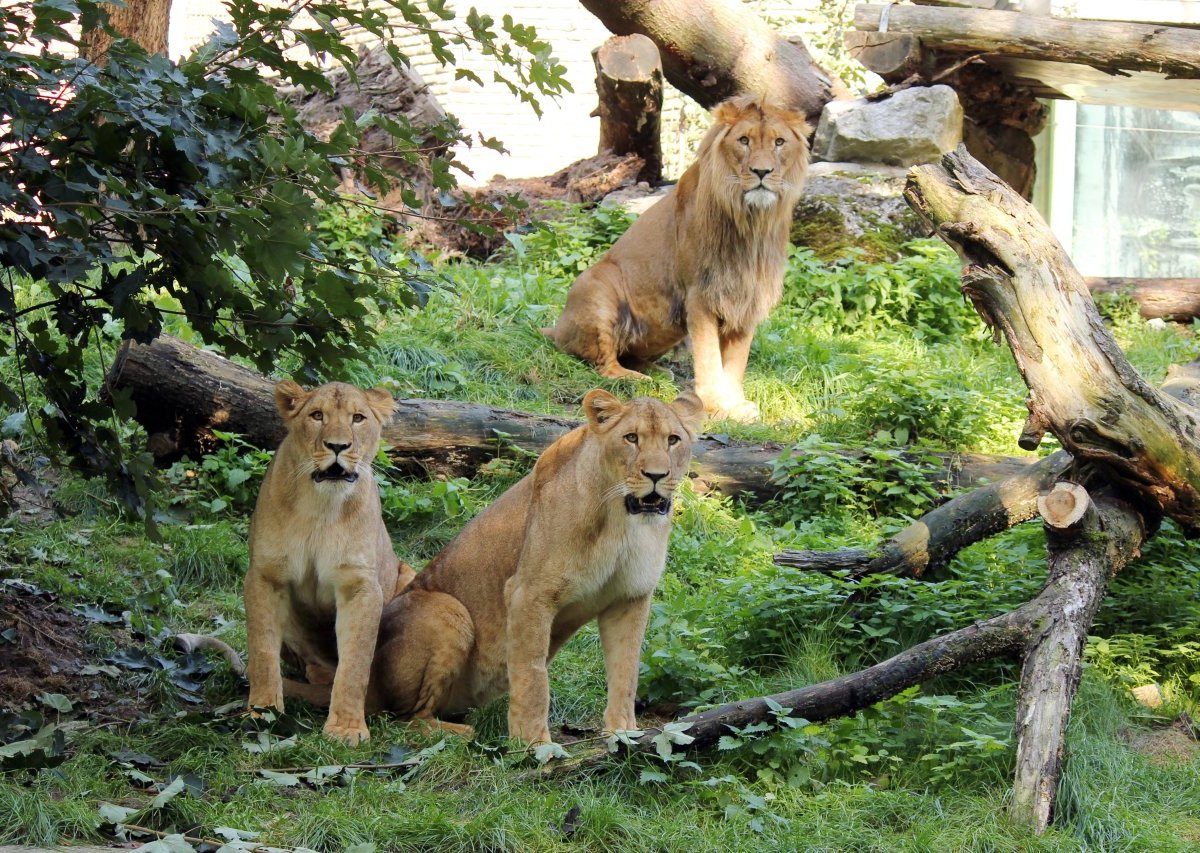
(350, 733)
(265, 699)
(743, 411)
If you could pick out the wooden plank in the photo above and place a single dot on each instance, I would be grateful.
(969, 4)
(1099, 44)
(887, 54)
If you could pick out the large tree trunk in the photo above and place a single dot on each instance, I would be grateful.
(183, 393)
(713, 49)
(1081, 386)
(629, 85)
(144, 21)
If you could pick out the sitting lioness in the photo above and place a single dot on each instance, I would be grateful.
(707, 260)
(582, 537)
(321, 561)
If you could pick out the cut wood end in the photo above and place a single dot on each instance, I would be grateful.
(1064, 505)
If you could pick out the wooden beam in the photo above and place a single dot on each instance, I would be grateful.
(1100, 44)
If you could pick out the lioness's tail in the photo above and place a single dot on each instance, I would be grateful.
(317, 694)
(551, 332)
(203, 642)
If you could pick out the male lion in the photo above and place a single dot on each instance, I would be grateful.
(321, 561)
(707, 260)
(582, 537)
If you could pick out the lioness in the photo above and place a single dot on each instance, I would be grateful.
(582, 537)
(706, 260)
(321, 561)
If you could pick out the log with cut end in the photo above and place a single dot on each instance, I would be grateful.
(629, 85)
(1165, 298)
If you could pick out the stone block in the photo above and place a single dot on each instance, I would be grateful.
(913, 126)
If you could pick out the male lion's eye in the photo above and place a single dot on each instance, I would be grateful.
(672, 440)
(778, 141)
(359, 417)
(745, 140)
(317, 416)
(631, 437)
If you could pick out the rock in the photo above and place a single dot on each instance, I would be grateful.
(850, 205)
(636, 199)
(915, 125)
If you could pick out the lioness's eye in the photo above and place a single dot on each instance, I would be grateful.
(631, 437)
(359, 417)
(778, 141)
(672, 440)
(745, 140)
(317, 416)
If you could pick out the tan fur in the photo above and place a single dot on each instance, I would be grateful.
(707, 260)
(554, 552)
(321, 562)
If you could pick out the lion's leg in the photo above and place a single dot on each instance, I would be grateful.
(590, 322)
(429, 640)
(530, 617)
(266, 604)
(359, 603)
(735, 353)
(622, 628)
(712, 385)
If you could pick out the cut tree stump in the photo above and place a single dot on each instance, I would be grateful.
(714, 49)
(629, 85)
(184, 393)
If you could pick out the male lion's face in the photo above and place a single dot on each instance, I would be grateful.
(765, 150)
(647, 447)
(338, 424)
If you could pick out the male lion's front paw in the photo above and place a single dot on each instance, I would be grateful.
(351, 733)
(265, 699)
(743, 411)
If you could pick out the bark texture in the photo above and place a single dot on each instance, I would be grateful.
(1081, 386)
(713, 49)
(629, 85)
(144, 21)
(1087, 543)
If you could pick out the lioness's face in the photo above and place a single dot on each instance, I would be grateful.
(647, 447)
(765, 150)
(338, 424)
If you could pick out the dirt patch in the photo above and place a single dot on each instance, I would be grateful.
(1174, 744)
(44, 648)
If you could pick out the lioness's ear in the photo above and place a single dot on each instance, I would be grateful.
(600, 406)
(289, 397)
(690, 410)
(381, 404)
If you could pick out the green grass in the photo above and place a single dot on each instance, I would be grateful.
(885, 356)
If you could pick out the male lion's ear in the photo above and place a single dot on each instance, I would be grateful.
(600, 406)
(289, 397)
(381, 403)
(690, 410)
(729, 112)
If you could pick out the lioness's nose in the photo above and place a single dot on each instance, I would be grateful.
(654, 476)
(336, 448)
(762, 173)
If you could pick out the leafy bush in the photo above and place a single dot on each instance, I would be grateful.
(142, 177)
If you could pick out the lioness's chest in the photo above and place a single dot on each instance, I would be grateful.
(619, 567)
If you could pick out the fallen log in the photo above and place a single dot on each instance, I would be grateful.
(183, 393)
(629, 86)
(1105, 45)
(1166, 298)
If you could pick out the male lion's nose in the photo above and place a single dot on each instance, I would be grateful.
(762, 173)
(654, 476)
(336, 448)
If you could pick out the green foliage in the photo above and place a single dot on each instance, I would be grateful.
(226, 479)
(143, 177)
(919, 293)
